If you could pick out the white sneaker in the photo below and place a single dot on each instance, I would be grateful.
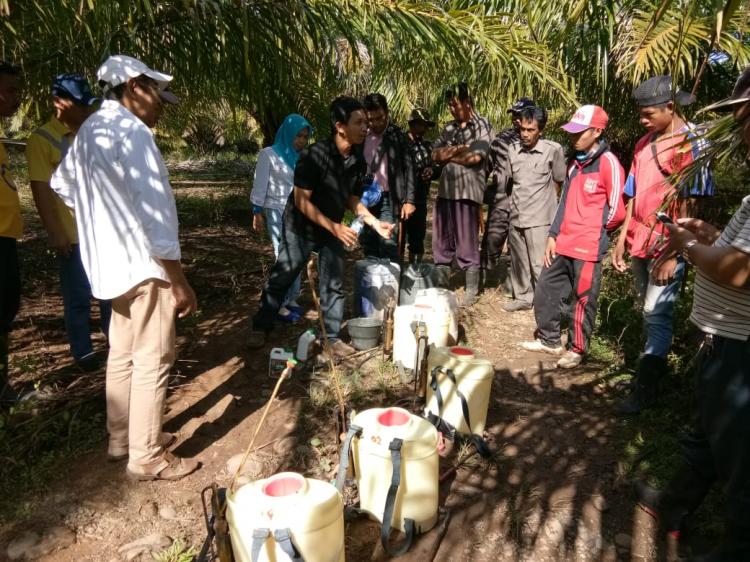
(570, 360)
(537, 345)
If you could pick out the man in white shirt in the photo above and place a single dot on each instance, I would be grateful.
(115, 179)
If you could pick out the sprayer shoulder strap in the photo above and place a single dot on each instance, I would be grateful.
(439, 395)
(482, 448)
(354, 431)
(390, 503)
(447, 429)
(283, 538)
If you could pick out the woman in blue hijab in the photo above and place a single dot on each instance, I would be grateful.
(273, 182)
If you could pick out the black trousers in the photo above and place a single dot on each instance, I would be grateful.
(416, 229)
(719, 446)
(496, 229)
(10, 283)
(565, 277)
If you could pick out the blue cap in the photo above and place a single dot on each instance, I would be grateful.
(73, 87)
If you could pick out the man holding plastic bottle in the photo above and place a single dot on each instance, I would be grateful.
(328, 179)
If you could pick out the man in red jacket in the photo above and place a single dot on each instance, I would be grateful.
(590, 207)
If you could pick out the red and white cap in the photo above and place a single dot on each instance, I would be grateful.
(586, 117)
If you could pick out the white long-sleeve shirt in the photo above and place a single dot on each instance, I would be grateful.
(273, 182)
(114, 177)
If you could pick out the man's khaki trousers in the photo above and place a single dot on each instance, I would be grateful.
(527, 247)
(141, 352)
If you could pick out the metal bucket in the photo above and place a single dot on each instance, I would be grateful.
(365, 332)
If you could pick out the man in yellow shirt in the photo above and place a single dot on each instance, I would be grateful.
(46, 147)
(11, 227)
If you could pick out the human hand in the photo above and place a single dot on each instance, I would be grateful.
(549, 251)
(704, 232)
(259, 222)
(385, 229)
(618, 256)
(662, 271)
(345, 234)
(183, 298)
(58, 242)
(678, 237)
(407, 210)
(427, 173)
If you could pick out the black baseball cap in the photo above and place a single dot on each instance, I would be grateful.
(521, 104)
(740, 94)
(421, 115)
(658, 90)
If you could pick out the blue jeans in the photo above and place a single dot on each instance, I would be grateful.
(275, 225)
(76, 293)
(294, 251)
(658, 305)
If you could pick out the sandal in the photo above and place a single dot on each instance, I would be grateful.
(286, 315)
(176, 468)
(167, 440)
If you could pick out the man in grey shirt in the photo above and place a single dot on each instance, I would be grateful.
(462, 149)
(537, 167)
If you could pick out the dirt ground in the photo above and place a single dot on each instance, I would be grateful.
(553, 491)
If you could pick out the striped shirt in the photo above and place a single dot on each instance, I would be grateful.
(718, 309)
(456, 180)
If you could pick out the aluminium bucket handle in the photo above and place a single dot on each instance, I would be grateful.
(410, 527)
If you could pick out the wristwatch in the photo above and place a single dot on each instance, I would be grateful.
(686, 250)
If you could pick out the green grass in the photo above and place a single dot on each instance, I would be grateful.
(35, 445)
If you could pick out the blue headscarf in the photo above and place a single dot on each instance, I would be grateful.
(283, 143)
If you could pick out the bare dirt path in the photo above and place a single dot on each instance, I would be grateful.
(552, 494)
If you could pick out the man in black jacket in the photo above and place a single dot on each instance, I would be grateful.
(421, 151)
(389, 163)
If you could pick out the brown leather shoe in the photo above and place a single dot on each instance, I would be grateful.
(176, 468)
(167, 440)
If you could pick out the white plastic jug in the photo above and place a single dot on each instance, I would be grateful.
(277, 360)
(473, 384)
(303, 344)
(417, 496)
(310, 512)
(404, 341)
(445, 301)
(375, 286)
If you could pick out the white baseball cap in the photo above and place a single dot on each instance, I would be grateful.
(118, 69)
(587, 117)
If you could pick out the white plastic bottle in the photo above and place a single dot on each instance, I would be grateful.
(304, 343)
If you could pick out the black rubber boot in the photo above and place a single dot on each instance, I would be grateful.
(441, 276)
(651, 369)
(471, 292)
